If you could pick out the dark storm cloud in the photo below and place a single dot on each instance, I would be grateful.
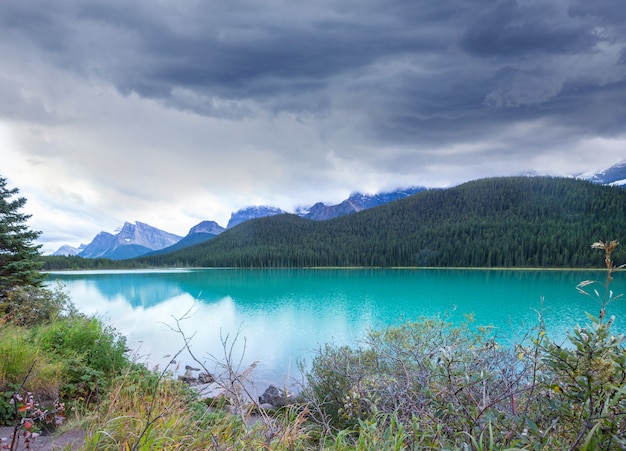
(427, 71)
(244, 52)
(518, 30)
(462, 60)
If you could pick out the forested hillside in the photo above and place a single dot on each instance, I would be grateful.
(497, 222)
(74, 262)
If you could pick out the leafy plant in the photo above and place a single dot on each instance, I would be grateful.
(32, 305)
(586, 381)
(457, 379)
(90, 352)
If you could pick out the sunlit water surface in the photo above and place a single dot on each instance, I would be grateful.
(282, 317)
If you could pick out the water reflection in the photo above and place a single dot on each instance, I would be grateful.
(285, 315)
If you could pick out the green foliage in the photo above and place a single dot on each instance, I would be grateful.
(73, 359)
(91, 354)
(33, 305)
(19, 257)
(22, 360)
(431, 384)
(499, 222)
(333, 375)
(586, 381)
(7, 412)
(452, 379)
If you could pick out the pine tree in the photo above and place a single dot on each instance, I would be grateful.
(19, 258)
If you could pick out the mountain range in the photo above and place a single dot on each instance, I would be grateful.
(142, 239)
(615, 175)
(134, 240)
(131, 240)
(503, 222)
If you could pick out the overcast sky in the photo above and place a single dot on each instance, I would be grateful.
(171, 112)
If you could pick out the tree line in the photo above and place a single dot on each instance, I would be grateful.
(537, 222)
(74, 262)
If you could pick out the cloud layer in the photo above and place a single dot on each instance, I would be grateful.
(175, 112)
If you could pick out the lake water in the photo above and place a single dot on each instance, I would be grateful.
(284, 316)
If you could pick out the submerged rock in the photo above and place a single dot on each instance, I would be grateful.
(205, 378)
(189, 378)
(276, 397)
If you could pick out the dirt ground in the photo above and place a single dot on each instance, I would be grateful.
(74, 438)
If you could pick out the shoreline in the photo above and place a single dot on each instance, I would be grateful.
(322, 268)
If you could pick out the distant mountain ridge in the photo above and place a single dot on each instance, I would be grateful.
(116, 247)
(355, 203)
(66, 249)
(531, 222)
(615, 175)
(245, 214)
(197, 234)
(132, 240)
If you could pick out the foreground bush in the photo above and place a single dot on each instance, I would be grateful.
(431, 383)
(442, 383)
(30, 306)
(91, 354)
(70, 360)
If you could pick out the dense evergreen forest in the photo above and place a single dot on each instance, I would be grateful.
(497, 222)
(74, 262)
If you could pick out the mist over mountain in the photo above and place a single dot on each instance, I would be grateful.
(355, 203)
(615, 175)
(245, 214)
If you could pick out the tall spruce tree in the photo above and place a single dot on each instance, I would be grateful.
(19, 257)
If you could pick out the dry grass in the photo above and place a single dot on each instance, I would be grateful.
(21, 360)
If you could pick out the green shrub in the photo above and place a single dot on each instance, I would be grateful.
(33, 305)
(581, 400)
(90, 352)
(334, 373)
(584, 380)
(97, 345)
(425, 375)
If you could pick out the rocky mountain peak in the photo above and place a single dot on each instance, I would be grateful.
(247, 213)
(141, 236)
(207, 227)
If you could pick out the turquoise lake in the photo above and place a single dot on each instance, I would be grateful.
(284, 316)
